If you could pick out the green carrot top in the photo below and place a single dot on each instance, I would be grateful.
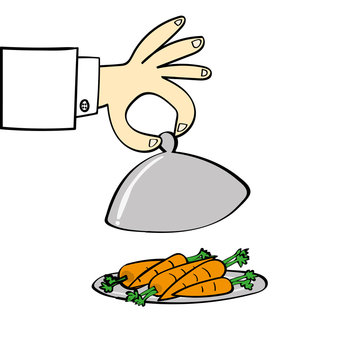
(240, 257)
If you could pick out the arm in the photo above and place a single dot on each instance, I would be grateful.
(46, 88)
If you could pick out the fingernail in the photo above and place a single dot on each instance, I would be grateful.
(152, 142)
(196, 43)
(179, 21)
(181, 127)
(204, 72)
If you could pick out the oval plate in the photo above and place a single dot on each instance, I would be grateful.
(120, 291)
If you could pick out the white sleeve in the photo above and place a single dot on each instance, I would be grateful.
(46, 88)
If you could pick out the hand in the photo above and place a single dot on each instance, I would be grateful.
(148, 72)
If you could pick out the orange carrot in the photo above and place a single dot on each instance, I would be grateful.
(210, 270)
(212, 287)
(135, 269)
(164, 280)
(127, 274)
(170, 283)
(137, 274)
(169, 263)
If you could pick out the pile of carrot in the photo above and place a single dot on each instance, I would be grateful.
(139, 273)
(197, 276)
(205, 278)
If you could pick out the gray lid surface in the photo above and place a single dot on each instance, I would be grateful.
(172, 192)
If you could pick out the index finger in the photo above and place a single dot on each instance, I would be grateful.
(181, 102)
(157, 37)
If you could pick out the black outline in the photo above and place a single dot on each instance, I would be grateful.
(145, 36)
(134, 262)
(98, 88)
(37, 48)
(194, 302)
(76, 79)
(175, 141)
(1, 88)
(152, 267)
(142, 133)
(85, 101)
(202, 282)
(76, 86)
(170, 63)
(195, 51)
(192, 270)
(42, 49)
(179, 27)
(174, 231)
(186, 78)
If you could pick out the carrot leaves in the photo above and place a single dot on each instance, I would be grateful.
(245, 280)
(240, 257)
(140, 299)
(106, 288)
(203, 254)
(132, 295)
(110, 281)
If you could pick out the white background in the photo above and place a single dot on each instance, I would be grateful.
(269, 114)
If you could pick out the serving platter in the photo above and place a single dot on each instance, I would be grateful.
(120, 292)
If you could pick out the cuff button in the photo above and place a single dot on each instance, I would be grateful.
(84, 105)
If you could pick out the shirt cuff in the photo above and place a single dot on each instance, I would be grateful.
(88, 74)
